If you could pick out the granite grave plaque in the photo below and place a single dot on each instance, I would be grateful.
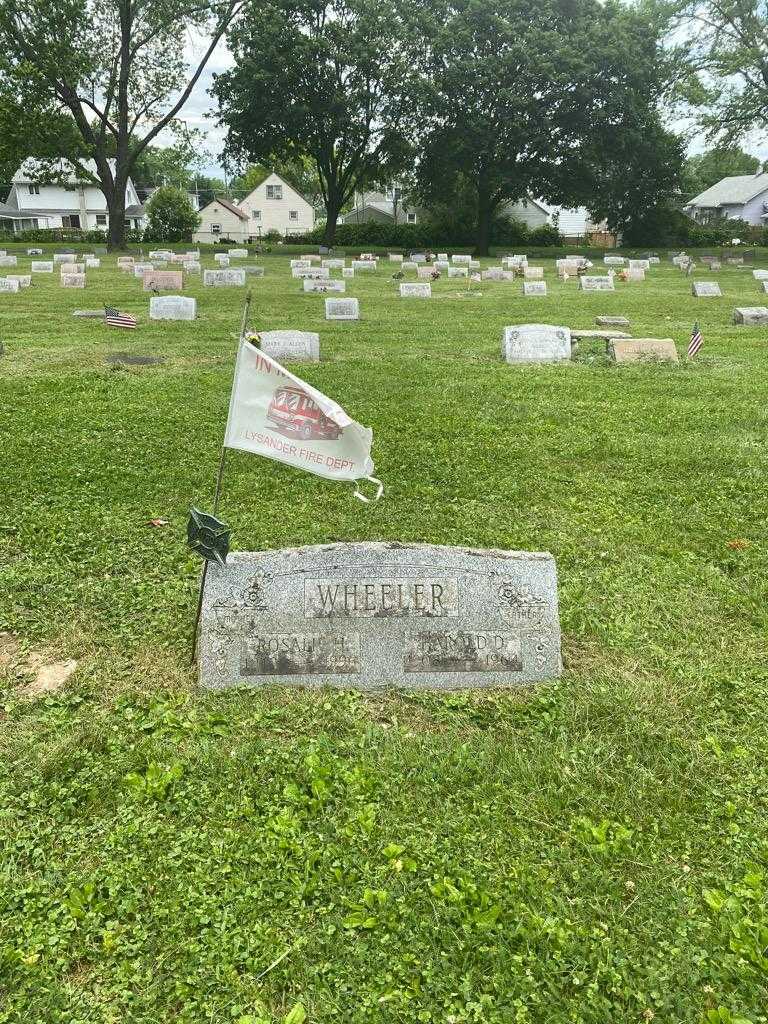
(415, 291)
(42, 266)
(369, 616)
(6, 285)
(534, 287)
(224, 278)
(163, 280)
(535, 343)
(172, 307)
(637, 350)
(324, 286)
(596, 284)
(291, 346)
(706, 290)
(342, 309)
(347, 272)
(73, 280)
(751, 316)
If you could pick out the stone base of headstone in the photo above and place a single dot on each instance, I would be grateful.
(751, 316)
(371, 616)
(638, 350)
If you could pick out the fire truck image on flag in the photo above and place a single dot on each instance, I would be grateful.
(295, 414)
(277, 415)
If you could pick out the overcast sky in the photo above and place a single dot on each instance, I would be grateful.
(198, 112)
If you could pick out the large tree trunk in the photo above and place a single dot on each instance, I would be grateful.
(332, 210)
(484, 214)
(115, 197)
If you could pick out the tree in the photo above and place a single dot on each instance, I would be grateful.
(324, 79)
(705, 169)
(525, 96)
(170, 165)
(111, 67)
(172, 218)
(722, 51)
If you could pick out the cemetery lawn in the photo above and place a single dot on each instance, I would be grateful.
(589, 851)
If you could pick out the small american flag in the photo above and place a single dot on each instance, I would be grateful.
(114, 318)
(696, 341)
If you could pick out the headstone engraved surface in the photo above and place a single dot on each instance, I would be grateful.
(533, 273)
(409, 265)
(765, 285)
(72, 268)
(30, 252)
(706, 289)
(751, 316)
(25, 280)
(6, 285)
(364, 265)
(291, 346)
(66, 257)
(324, 286)
(415, 291)
(332, 264)
(342, 309)
(347, 272)
(613, 261)
(305, 262)
(194, 267)
(760, 275)
(637, 350)
(8, 261)
(369, 616)
(224, 278)
(534, 288)
(461, 261)
(311, 273)
(638, 264)
(425, 273)
(612, 321)
(634, 274)
(535, 343)
(221, 258)
(42, 266)
(596, 284)
(163, 280)
(238, 254)
(92, 263)
(252, 271)
(458, 272)
(140, 268)
(73, 280)
(395, 257)
(172, 307)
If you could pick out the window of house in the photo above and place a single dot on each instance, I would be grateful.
(293, 215)
(101, 220)
(274, 191)
(70, 221)
(411, 218)
(215, 229)
(34, 190)
(256, 214)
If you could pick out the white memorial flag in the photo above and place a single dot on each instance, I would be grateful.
(277, 415)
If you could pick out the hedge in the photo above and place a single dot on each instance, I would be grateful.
(429, 235)
(64, 235)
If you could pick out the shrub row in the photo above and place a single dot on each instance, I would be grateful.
(64, 235)
(428, 235)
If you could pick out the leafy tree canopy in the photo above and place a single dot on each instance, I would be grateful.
(324, 80)
(172, 217)
(100, 79)
(705, 169)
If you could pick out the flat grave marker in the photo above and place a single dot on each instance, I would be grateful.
(535, 343)
(706, 290)
(637, 350)
(534, 287)
(591, 283)
(7, 285)
(73, 280)
(42, 266)
(172, 307)
(324, 286)
(225, 278)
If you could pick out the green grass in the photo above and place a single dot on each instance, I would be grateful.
(590, 851)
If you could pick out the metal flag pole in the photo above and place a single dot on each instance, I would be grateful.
(205, 533)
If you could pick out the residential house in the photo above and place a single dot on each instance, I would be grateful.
(387, 207)
(742, 197)
(575, 225)
(73, 203)
(274, 205)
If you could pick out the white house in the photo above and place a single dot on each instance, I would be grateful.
(72, 204)
(742, 197)
(573, 224)
(274, 205)
(388, 207)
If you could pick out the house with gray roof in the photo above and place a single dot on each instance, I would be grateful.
(742, 197)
